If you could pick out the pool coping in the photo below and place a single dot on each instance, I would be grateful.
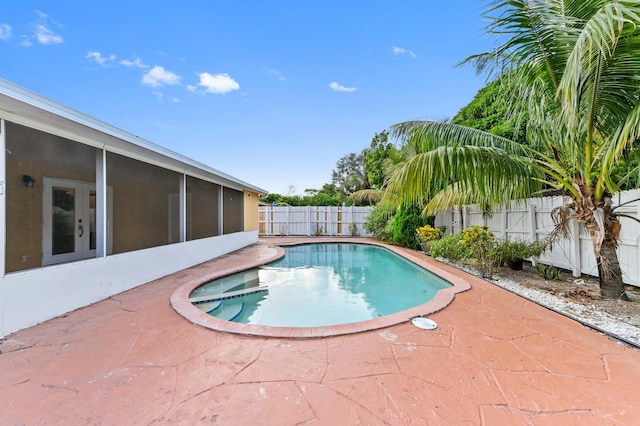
(180, 297)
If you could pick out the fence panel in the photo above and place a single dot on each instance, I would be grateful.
(530, 220)
(313, 220)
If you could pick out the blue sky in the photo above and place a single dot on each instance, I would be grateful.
(271, 92)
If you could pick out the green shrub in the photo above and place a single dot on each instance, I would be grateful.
(512, 251)
(450, 248)
(548, 272)
(426, 235)
(380, 224)
(478, 238)
(387, 232)
(405, 223)
(483, 248)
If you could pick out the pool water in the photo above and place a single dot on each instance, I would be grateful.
(320, 285)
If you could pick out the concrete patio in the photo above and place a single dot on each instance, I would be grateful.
(494, 359)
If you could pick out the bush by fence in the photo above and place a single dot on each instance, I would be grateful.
(530, 220)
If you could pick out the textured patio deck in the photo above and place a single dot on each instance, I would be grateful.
(494, 359)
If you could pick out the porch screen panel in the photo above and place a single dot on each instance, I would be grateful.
(232, 202)
(202, 208)
(145, 204)
(32, 155)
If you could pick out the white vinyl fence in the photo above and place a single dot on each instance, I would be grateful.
(530, 220)
(313, 220)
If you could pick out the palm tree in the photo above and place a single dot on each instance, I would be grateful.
(572, 68)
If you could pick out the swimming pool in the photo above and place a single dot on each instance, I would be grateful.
(321, 284)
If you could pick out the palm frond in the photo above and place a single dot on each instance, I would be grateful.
(536, 33)
(428, 135)
(486, 173)
(367, 195)
(600, 79)
(455, 195)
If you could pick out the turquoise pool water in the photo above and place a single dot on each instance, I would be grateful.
(319, 285)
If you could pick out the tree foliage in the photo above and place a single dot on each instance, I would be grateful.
(489, 111)
(349, 175)
(376, 159)
(327, 196)
(571, 68)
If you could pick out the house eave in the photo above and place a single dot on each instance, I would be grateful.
(26, 107)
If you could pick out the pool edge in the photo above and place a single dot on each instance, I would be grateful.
(180, 303)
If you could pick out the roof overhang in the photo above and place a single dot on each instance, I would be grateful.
(28, 108)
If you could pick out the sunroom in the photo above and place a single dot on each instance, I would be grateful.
(89, 210)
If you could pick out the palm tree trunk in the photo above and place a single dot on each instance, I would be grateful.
(609, 272)
(604, 235)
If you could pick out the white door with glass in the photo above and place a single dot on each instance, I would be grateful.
(69, 221)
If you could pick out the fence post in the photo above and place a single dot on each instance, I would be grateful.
(465, 218)
(351, 221)
(308, 221)
(576, 262)
(288, 228)
(533, 227)
(331, 221)
(458, 221)
(503, 222)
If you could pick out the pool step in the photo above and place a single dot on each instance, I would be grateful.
(230, 309)
(208, 306)
(226, 285)
(240, 280)
(228, 294)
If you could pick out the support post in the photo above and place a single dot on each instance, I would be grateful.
(101, 203)
(183, 208)
(221, 211)
(3, 209)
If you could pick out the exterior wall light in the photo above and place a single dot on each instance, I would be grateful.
(28, 181)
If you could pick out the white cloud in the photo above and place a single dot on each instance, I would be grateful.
(402, 51)
(340, 88)
(102, 60)
(158, 76)
(136, 63)
(277, 74)
(45, 36)
(160, 97)
(216, 83)
(25, 41)
(5, 32)
(42, 32)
